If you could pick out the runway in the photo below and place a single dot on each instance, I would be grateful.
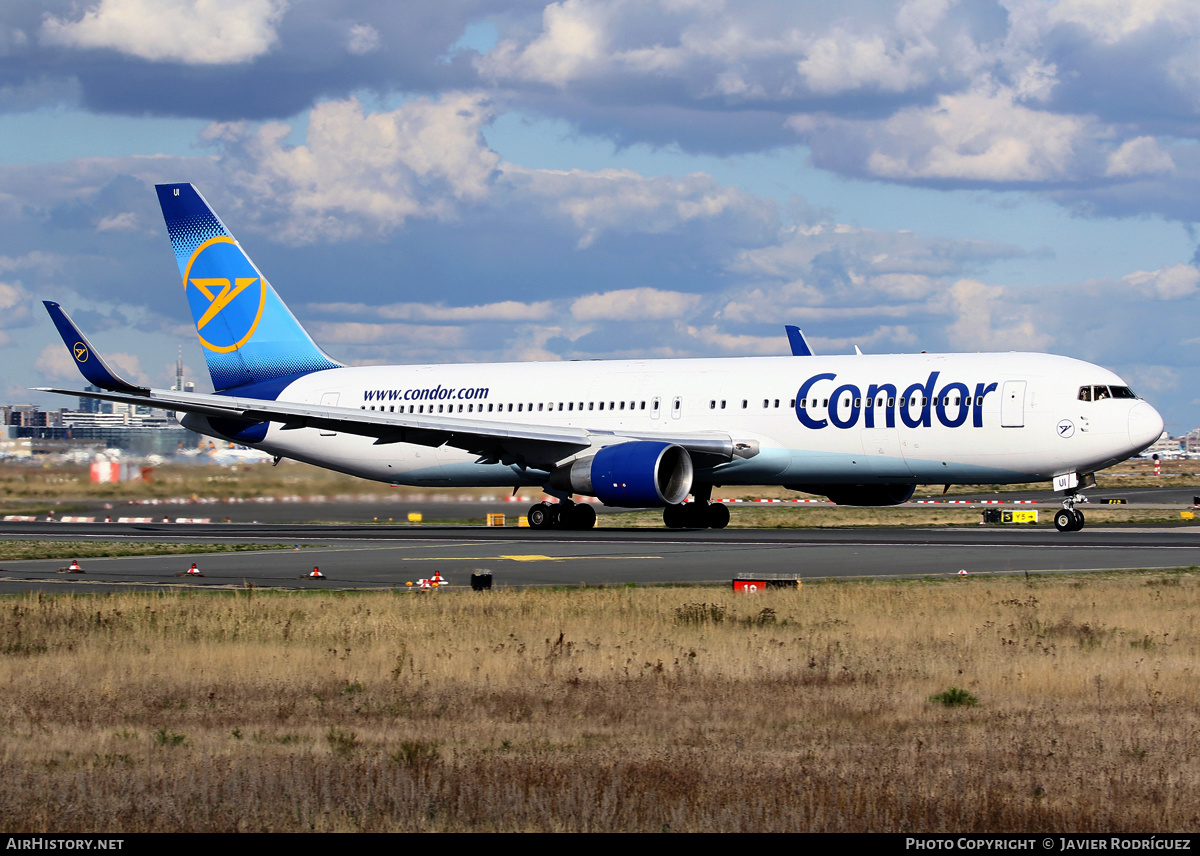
(382, 557)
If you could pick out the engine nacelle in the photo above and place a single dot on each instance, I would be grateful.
(636, 474)
(234, 430)
(860, 494)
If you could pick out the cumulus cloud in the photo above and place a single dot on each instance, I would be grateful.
(713, 338)
(361, 173)
(1110, 21)
(362, 39)
(1139, 156)
(842, 61)
(357, 333)
(125, 221)
(984, 135)
(1170, 282)
(505, 310)
(14, 305)
(192, 32)
(54, 361)
(622, 200)
(988, 319)
(634, 304)
(573, 37)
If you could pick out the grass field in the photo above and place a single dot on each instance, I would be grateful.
(975, 704)
(14, 550)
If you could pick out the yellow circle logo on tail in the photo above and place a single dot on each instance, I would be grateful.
(226, 294)
(81, 352)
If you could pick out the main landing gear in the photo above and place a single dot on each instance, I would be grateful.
(1068, 518)
(696, 515)
(562, 515)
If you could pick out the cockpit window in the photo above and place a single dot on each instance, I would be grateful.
(1097, 393)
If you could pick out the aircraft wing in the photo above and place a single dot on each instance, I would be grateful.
(510, 442)
(536, 446)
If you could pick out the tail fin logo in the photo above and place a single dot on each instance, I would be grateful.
(80, 351)
(226, 294)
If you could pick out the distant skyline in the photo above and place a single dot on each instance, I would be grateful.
(471, 181)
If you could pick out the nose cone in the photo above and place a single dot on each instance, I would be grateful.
(1145, 425)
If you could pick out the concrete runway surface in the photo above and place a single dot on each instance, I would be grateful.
(381, 556)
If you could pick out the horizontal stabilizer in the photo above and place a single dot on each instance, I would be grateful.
(87, 360)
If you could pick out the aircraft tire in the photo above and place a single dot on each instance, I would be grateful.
(1078, 521)
(675, 517)
(539, 516)
(1064, 520)
(582, 517)
(717, 515)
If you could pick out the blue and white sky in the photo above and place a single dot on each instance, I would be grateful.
(484, 180)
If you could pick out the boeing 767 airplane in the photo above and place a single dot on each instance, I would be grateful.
(860, 430)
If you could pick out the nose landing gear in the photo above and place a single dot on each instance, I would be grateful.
(1068, 518)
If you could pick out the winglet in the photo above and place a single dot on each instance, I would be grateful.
(799, 344)
(90, 363)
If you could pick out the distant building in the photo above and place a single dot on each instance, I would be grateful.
(137, 430)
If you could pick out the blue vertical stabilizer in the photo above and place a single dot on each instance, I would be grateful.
(247, 333)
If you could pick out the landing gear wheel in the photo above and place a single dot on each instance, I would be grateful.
(1068, 520)
(576, 516)
(718, 515)
(539, 516)
(675, 517)
(581, 517)
(696, 516)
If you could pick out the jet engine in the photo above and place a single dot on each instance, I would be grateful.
(636, 474)
(860, 494)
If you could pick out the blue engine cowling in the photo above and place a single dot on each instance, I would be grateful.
(636, 474)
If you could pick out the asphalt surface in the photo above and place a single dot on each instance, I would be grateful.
(387, 556)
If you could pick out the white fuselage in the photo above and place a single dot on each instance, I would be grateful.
(921, 418)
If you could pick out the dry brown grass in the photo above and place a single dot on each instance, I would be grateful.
(14, 550)
(608, 709)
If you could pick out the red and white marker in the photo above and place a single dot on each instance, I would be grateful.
(74, 567)
(193, 571)
(315, 575)
(963, 572)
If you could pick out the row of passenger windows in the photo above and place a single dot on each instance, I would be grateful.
(1099, 393)
(520, 407)
(1086, 393)
(713, 404)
